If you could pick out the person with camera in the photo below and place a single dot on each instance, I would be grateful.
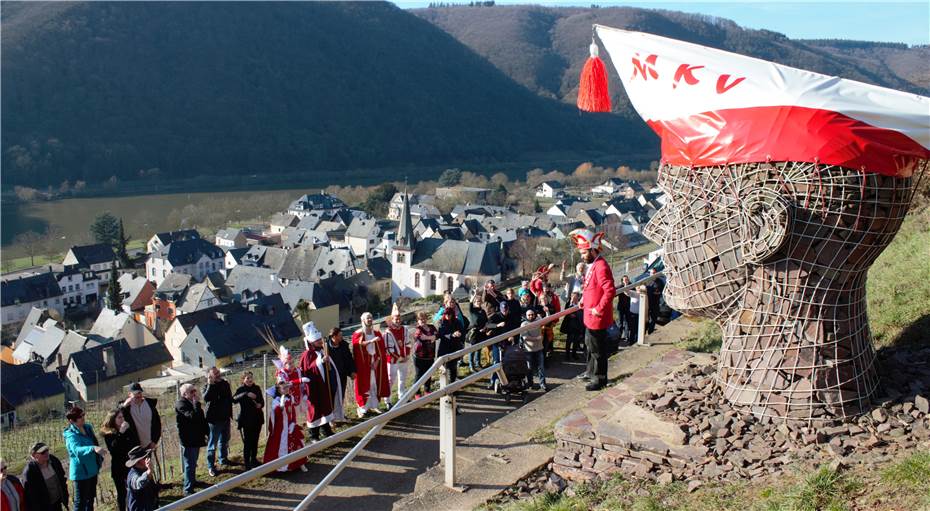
(119, 440)
(218, 397)
(192, 433)
(141, 487)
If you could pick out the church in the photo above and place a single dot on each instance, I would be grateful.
(432, 266)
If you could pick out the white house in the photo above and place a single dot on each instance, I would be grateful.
(362, 236)
(97, 257)
(397, 204)
(281, 221)
(78, 287)
(195, 257)
(116, 325)
(314, 202)
(433, 266)
(19, 296)
(163, 239)
(550, 189)
(230, 238)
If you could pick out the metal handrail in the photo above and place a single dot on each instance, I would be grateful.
(374, 425)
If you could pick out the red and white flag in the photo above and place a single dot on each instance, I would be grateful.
(713, 107)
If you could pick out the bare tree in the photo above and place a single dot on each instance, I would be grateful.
(523, 252)
(31, 243)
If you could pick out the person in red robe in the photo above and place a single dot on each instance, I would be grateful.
(597, 303)
(284, 432)
(540, 279)
(371, 374)
(323, 388)
(400, 350)
(287, 371)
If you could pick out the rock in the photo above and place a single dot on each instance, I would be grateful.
(883, 427)
(693, 485)
(665, 478)
(664, 403)
(879, 415)
(922, 404)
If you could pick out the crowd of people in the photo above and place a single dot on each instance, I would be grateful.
(310, 391)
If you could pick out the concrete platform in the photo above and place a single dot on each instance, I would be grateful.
(502, 453)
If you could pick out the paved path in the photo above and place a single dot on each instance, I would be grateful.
(399, 468)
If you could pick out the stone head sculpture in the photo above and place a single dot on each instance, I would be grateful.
(782, 188)
(777, 253)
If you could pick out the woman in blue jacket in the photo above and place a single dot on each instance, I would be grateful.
(85, 456)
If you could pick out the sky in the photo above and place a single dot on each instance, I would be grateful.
(902, 22)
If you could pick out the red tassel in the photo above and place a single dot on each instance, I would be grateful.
(593, 95)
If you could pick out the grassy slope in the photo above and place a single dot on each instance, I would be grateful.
(904, 484)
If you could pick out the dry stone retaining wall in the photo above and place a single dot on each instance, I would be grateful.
(669, 421)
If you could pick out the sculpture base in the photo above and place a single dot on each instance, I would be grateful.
(669, 421)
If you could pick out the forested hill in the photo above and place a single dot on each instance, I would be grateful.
(544, 48)
(93, 90)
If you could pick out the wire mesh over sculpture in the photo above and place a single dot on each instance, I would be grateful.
(778, 254)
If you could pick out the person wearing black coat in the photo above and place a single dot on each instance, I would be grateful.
(476, 334)
(251, 401)
(573, 328)
(341, 354)
(44, 483)
(451, 339)
(192, 433)
(119, 440)
(218, 397)
(137, 405)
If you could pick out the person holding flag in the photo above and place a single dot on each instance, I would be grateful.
(322, 383)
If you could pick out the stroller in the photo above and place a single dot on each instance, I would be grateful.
(516, 366)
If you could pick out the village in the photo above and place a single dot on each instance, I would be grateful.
(84, 329)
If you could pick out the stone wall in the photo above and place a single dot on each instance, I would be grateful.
(669, 422)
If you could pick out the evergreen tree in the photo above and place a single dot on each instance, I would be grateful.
(536, 207)
(120, 247)
(105, 229)
(114, 292)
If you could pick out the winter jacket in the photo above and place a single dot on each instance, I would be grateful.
(192, 426)
(156, 421)
(250, 416)
(599, 291)
(34, 487)
(218, 397)
(83, 460)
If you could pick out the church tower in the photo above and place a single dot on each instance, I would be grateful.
(402, 278)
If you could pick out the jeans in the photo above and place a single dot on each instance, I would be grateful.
(474, 360)
(189, 457)
(219, 434)
(537, 366)
(596, 341)
(85, 491)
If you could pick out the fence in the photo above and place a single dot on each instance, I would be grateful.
(17, 441)
(371, 427)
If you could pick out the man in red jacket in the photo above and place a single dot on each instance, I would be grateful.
(597, 303)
